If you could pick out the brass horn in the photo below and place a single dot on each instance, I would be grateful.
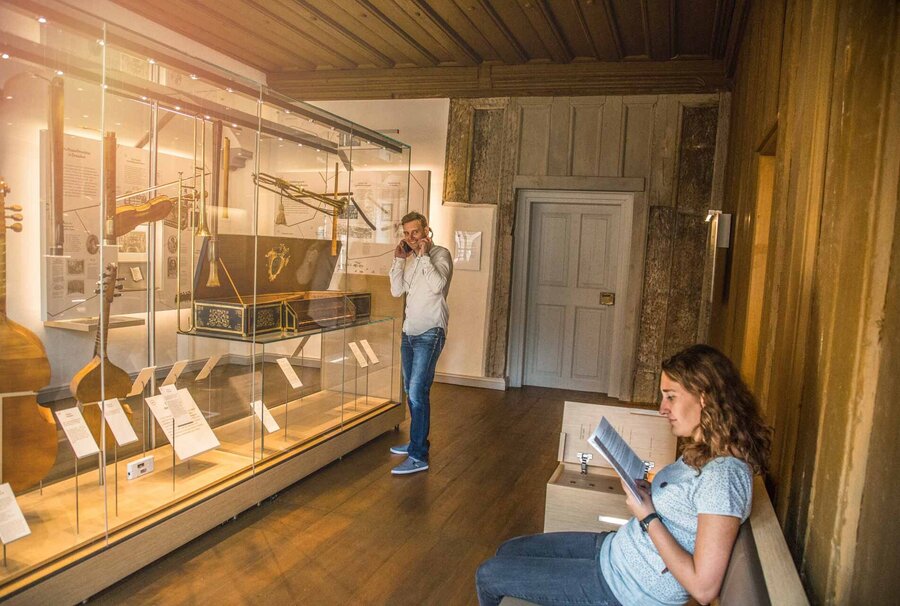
(213, 278)
(202, 228)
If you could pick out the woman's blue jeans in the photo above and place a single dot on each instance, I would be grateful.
(555, 568)
(419, 355)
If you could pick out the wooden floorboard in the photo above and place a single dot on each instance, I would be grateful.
(353, 534)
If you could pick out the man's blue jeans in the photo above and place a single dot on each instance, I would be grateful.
(419, 355)
(552, 568)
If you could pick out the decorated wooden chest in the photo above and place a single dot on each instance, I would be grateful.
(272, 284)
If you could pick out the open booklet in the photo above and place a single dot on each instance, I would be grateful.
(623, 459)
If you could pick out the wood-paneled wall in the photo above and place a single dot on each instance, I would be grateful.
(662, 148)
(822, 77)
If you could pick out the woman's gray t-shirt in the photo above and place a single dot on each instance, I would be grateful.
(631, 564)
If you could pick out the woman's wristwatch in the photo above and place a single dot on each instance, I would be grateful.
(645, 523)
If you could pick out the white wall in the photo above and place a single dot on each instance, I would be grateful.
(423, 126)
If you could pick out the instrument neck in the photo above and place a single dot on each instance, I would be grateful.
(103, 326)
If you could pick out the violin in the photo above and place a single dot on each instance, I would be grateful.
(101, 379)
(29, 431)
(128, 217)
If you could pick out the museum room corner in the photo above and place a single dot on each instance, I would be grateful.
(327, 301)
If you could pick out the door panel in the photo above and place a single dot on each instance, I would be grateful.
(551, 321)
(573, 258)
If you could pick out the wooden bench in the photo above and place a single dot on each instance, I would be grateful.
(761, 570)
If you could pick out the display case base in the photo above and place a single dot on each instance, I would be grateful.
(91, 568)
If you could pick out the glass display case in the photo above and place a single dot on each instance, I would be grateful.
(194, 288)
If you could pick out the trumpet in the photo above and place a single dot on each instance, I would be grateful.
(202, 228)
(213, 279)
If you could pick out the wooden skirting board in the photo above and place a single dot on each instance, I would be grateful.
(154, 514)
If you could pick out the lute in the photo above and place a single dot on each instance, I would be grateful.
(100, 378)
(29, 431)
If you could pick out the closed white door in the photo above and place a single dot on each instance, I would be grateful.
(573, 271)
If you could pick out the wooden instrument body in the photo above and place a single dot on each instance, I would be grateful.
(87, 387)
(29, 430)
(100, 379)
(126, 218)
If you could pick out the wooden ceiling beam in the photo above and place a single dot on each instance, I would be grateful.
(472, 56)
(532, 79)
(547, 28)
(585, 28)
(513, 44)
(399, 32)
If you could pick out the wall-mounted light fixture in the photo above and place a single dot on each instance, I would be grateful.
(722, 224)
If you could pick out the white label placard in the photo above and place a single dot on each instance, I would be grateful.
(141, 381)
(12, 523)
(357, 354)
(289, 373)
(189, 439)
(118, 422)
(208, 367)
(369, 351)
(77, 432)
(173, 401)
(177, 369)
(263, 414)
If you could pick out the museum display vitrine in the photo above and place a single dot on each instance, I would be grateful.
(193, 278)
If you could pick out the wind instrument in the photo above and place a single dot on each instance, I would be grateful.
(203, 227)
(226, 162)
(213, 279)
(109, 189)
(57, 153)
(334, 217)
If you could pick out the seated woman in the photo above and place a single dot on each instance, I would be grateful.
(680, 540)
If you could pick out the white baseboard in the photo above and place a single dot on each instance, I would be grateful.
(497, 383)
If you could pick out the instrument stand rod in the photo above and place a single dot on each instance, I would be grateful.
(173, 453)
(4, 555)
(77, 512)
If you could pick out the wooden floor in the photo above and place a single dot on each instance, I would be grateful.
(353, 534)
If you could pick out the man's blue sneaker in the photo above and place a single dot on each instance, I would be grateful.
(401, 450)
(410, 465)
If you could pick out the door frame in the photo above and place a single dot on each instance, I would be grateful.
(525, 200)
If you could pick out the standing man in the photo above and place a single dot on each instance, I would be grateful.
(422, 271)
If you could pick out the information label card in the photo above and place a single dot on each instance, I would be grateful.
(177, 369)
(77, 432)
(263, 414)
(357, 354)
(190, 438)
(369, 351)
(289, 373)
(208, 367)
(140, 382)
(118, 422)
(12, 523)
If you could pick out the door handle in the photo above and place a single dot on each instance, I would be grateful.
(607, 298)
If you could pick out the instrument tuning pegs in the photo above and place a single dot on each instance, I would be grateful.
(16, 227)
(15, 217)
(14, 208)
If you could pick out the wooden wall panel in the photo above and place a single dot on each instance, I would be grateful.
(823, 79)
(586, 123)
(534, 140)
(562, 143)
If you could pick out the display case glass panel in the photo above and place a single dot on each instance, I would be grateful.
(194, 289)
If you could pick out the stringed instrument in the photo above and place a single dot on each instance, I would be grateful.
(29, 431)
(127, 217)
(90, 384)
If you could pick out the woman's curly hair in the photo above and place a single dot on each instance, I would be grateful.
(730, 423)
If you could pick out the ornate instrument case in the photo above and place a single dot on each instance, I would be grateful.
(291, 277)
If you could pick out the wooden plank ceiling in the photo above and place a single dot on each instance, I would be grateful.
(355, 49)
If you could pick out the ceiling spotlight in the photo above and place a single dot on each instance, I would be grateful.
(42, 20)
(9, 97)
(59, 72)
(5, 55)
(151, 61)
(207, 117)
(230, 90)
(194, 77)
(233, 125)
